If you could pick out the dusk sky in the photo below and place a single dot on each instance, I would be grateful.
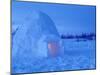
(68, 18)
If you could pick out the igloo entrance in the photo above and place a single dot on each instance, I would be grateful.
(53, 48)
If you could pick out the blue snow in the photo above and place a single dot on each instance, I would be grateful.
(37, 29)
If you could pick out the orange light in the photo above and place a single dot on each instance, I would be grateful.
(53, 48)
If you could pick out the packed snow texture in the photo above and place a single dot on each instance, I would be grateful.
(30, 37)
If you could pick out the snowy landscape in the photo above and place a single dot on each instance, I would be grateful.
(45, 41)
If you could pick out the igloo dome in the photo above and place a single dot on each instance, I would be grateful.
(35, 35)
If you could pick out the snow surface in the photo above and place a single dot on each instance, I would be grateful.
(76, 59)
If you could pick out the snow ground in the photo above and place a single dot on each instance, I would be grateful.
(77, 56)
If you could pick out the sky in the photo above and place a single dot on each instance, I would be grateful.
(68, 18)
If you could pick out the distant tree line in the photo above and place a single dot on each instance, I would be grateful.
(87, 36)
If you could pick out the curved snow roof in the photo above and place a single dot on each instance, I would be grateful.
(43, 24)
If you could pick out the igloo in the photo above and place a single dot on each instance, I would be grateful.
(35, 35)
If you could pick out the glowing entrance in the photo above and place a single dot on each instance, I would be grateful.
(53, 48)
